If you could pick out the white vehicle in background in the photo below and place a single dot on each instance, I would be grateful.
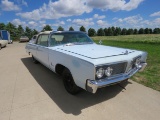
(3, 43)
(83, 63)
(24, 39)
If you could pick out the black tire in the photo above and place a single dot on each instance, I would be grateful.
(34, 60)
(69, 83)
(0, 47)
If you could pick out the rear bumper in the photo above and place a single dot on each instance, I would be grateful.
(93, 85)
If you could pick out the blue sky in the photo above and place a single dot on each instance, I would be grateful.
(89, 13)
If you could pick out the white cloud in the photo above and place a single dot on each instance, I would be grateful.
(131, 20)
(42, 22)
(120, 20)
(83, 22)
(69, 20)
(62, 22)
(21, 2)
(18, 22)
(57, 9)
(24, 3)
(65, 8)
(34, 15)
(31, 24)
(136, 22)
(99, 17)
(157, 22)
(151, 23)
(8, 6)
(132, 4)
(114, 5)
(58, 23)
(155, 14)
(102, 23)
(115, 18)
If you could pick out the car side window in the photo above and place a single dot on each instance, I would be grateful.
(56, 40)
(43, 40)
(34, 37)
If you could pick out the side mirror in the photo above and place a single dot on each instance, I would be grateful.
(100, 42)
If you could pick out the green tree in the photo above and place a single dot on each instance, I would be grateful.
(100, 32)
(135, 31)
(2, 26)
(124, 31)
(12, 30)
(20, 31)
(71, 29)
(141, 31)
(47, 28)
(110, 32)
(117, 31)
(105, 31)
(91, 32)
(10, 27)
(146, 30)
(113, 30)
(130, 31)
(60, 28)
(34, 32)
(83, 29)
(156, 31)
(150, 31)
(28, 32)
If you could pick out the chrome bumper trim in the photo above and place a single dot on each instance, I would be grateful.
(93, 85)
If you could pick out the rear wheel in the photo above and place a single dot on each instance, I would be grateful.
(69, 83)
(34, 60)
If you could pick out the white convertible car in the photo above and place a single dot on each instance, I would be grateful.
(3, 43)
(83, 63)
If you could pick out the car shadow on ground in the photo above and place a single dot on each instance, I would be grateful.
(52, 84)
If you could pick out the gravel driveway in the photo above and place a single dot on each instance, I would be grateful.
(30, 91)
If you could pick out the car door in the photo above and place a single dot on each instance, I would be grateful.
(42, 49)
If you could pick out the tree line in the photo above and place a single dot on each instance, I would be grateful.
(110, 31)
(17, 31)
(115, 31)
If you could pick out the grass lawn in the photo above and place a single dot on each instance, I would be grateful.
(151, 75)
(147, 38)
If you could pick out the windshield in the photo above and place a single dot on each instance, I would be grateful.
(69, 39)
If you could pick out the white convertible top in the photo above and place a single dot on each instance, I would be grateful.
(45, 32)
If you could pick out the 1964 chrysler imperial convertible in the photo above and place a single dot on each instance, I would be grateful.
(83, 63)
